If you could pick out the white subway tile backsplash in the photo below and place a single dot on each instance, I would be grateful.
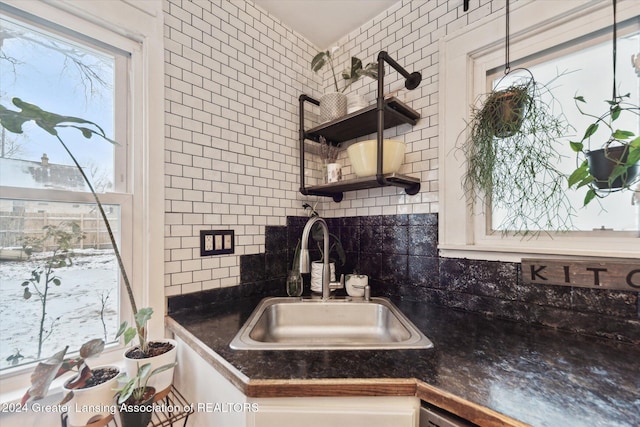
(233, 76)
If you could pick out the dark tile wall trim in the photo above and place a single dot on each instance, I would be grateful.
(399, 253)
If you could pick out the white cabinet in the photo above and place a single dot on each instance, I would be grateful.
(381, 411)
(217, 402)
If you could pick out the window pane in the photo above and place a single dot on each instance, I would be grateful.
(51, 298)
(72, 296)
(590, 75)
(62, 76)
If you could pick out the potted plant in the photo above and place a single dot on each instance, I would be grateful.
(615, 166)
(135, 399)
(157, 353)
(511, 156)
(13, 121)
(89, 392)
(335, 247)
(334, 104)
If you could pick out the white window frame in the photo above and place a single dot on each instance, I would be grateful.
(136, 28)
(465, 57)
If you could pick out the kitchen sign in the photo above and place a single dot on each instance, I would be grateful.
(597, 273)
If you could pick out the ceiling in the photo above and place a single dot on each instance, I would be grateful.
(323, 22)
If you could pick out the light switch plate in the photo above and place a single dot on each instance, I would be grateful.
(216, 242)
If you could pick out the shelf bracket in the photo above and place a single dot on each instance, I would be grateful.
(404, 115)
(412, 81)
(302, 136)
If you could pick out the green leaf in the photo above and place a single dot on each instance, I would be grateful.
(143, 316)
(576, 146)
(318, 61)
(579, 98)
(129, 335)
(634, 156)
(44, 374)
(615, 112)
(56, 281)
(371, 70)
(13, 120)
(26, 294)
(356, 67)
(586, 181)
(163, 368)
(578, 175)
(622, 134)
(591, 194)
(593, 127)
(91, 348)
(144, 370)
(125, 392)
(121, 329)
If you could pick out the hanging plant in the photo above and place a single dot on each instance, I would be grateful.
(511, 153)
(502, 113)
(615, 166)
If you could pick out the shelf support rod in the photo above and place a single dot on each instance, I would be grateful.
(412, 81)
(302, 137)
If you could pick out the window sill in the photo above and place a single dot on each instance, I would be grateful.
(16, 382)
(514, 251)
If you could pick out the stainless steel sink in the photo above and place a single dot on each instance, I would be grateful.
(336, 324)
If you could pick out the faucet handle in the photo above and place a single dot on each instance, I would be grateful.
(304, 261)
(337, 285)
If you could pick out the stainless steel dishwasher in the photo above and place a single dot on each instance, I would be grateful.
(430, 416)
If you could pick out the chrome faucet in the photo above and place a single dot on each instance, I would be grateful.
(305, 267)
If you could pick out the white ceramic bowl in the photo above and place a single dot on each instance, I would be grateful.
(363, 156)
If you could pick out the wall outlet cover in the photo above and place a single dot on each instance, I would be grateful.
(216, 242)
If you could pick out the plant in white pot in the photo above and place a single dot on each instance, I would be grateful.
(13, 121)
(333, 105)
(157, 353)
(89, 392)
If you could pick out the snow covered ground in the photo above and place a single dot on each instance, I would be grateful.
(76, 304)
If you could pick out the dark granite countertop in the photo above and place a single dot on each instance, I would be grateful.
(536, 375)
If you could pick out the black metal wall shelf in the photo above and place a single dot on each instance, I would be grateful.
(385, 114)
(364, 122)
(336, 190)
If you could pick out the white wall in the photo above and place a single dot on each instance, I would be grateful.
(233, 77)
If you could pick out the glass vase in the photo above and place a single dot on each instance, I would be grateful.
(294, 283)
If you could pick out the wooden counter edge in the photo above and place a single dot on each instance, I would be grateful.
(327, 387)
(463, 408)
